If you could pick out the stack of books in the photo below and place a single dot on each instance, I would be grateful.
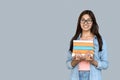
(83, 47)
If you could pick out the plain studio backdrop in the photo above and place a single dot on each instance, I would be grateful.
(35, 35)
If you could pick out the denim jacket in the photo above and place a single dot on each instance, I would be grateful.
(100, 57)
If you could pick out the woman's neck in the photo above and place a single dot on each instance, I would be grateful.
(87, 35)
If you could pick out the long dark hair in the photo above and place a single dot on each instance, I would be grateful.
(94, 30)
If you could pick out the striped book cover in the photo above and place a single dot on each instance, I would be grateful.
(83, 47)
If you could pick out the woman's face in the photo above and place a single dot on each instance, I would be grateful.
(86, 22)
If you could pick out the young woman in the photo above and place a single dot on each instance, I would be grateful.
(86, 67)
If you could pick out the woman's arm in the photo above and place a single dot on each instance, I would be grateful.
(102, 63)
(71, 61)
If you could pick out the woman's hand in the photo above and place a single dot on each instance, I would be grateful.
(90, 59)
(87, 57)
(76, 60)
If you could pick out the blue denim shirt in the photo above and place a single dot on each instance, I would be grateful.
(100, 57)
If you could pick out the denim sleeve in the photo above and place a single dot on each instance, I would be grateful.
(69, 59)
(103, 61)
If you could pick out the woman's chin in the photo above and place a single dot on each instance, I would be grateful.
(86, 29)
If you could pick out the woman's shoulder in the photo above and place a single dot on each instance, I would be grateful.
(102, 37)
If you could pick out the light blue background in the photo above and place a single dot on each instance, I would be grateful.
(35, 35)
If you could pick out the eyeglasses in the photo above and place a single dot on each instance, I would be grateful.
(89, 21)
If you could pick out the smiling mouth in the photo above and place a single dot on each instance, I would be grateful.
(85, 26)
